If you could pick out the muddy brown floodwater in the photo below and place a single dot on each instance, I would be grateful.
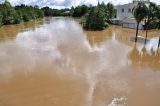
(54, 62)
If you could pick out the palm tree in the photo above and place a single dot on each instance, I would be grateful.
(139, 12)
(159, 42)
(158, 21)
(151, 11)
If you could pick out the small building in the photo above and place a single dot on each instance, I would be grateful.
(125, 17)
(124, 11)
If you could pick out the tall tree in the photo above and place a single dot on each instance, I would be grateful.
(110, 10)
(95, 19)
(151, 14)
(0, 19)
(158, 22)
(139, 12)
(9, 15)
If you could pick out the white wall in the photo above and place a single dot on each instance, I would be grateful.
(121, 15)
(132, 26)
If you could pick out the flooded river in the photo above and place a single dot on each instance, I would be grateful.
(54, 62)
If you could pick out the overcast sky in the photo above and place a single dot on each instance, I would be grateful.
(67, 3)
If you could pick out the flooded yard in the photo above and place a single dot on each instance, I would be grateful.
(54, 62)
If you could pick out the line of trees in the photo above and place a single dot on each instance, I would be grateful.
(74, 11)
(18, 14)
(149, 13)
(56, 12)
(93, 17)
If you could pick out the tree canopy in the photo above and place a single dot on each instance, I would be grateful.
(17, 14)
(139, 12)
(98, 17)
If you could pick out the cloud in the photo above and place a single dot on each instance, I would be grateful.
(67, 3)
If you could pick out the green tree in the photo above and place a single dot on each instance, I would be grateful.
(150, 17)
(0, 19)
(79, 11)
(17, 14)
(95, 19)
(47, 11)
(9, 15)
(27, 13)
(139, 12)
(158, 22)
(110, 10)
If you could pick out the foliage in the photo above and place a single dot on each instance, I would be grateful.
(95, 19)
(79, 11)
(148, 12)
(110, 10)
(17, 14)
(150, 22)
(75, 12)
(8, 13)
(0, 19)
(157, 17)
(158, 21)
(27, 13)
(139, 12)
(98, 17)
(55, 12)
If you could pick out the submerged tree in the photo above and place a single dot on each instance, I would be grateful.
(110, 10)
(158, 22)
(0, 19)
(95, 19)
(151, 14)
(98, 17)
(139, 12)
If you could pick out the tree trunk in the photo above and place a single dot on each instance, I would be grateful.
(159, 43)
(137, 32)
(146, 35)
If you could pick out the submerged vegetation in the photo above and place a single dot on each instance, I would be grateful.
(78, 11)
(95, 19)
(98, 17)
(92, 17)
(149, 13)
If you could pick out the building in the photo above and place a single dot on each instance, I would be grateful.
(124, 11)
(125, 17)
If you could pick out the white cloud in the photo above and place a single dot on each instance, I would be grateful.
(67, 3)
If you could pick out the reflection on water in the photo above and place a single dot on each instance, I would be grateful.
(10, 31)
(57, 63)
(144, 58)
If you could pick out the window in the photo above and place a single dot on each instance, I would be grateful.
(129, 10)
(122, 10)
